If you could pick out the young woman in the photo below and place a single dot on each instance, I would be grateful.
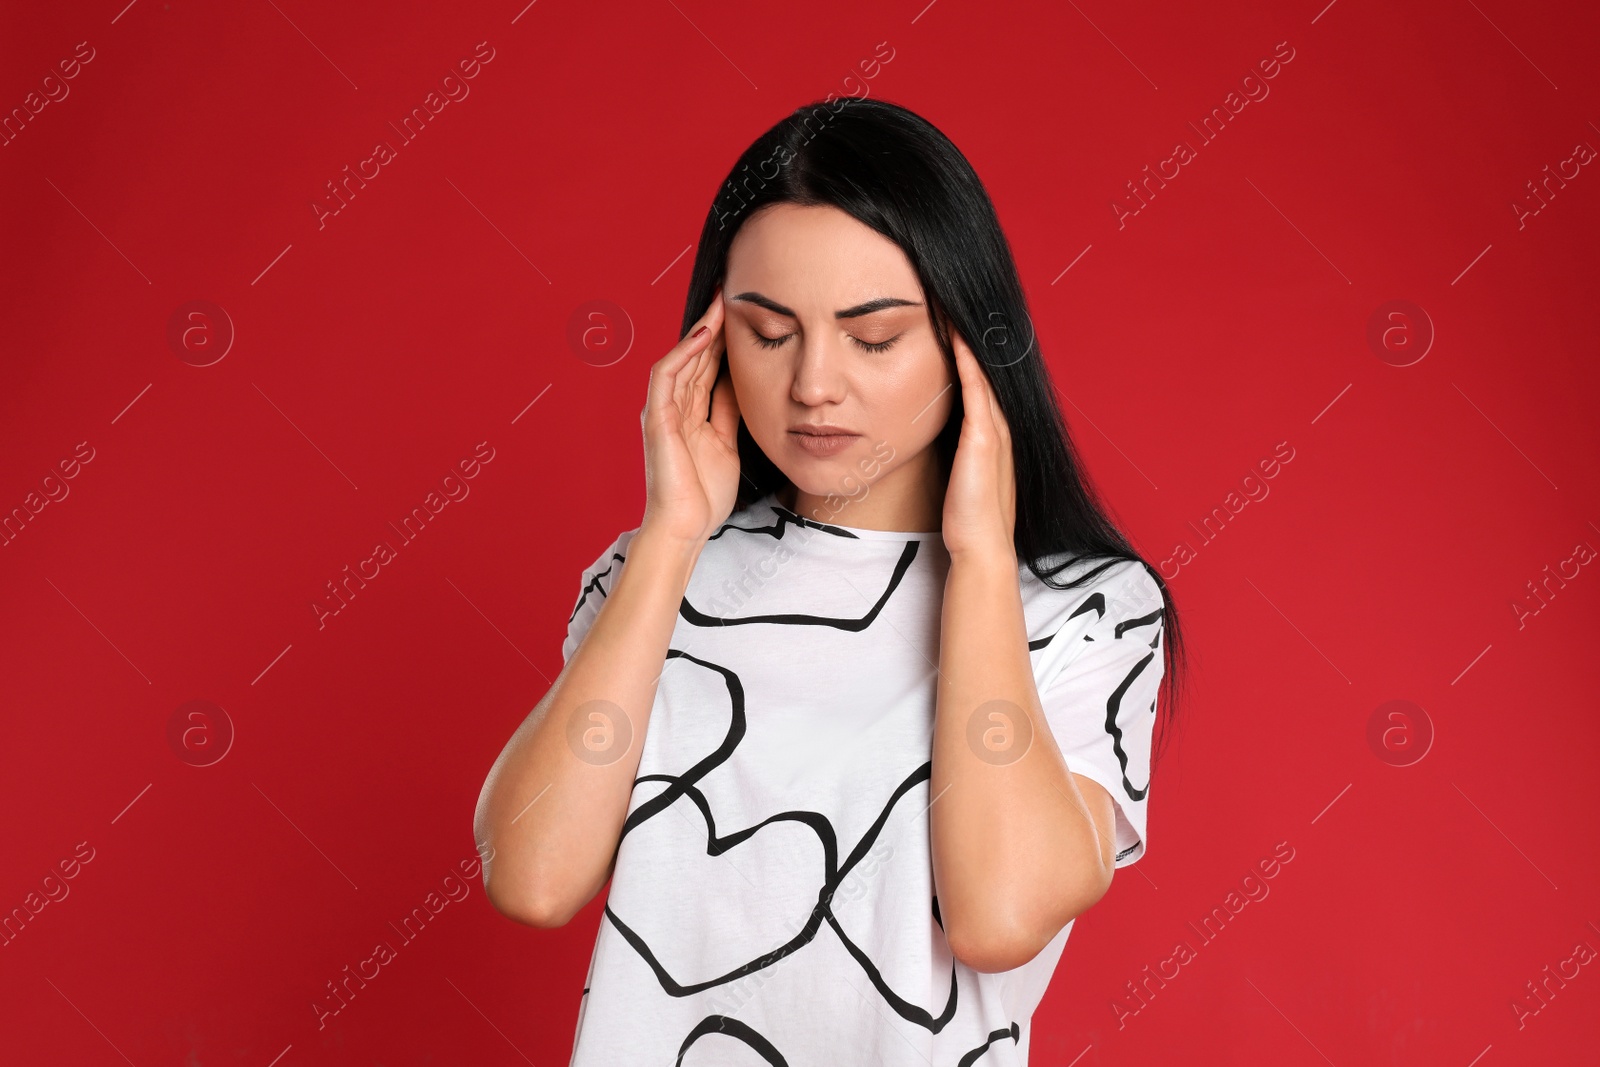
(859, 718)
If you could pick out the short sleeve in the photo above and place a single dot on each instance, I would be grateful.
(596, 584)
(1101, 702)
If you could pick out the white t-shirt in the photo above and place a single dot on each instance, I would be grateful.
(793, 727)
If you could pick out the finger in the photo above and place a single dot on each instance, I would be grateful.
(688, 392)
(714, 308)
(704, 383)
(690, 345)
(974, 386)
(725, 409)
(707, 369)
(997, 415)
(668, 375)
(1002, 428)
(983, 387)
(703, 372)
(687, 343)
(963, 358)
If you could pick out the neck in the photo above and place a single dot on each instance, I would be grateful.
(909, 498)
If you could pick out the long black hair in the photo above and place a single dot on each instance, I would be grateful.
(894, 171)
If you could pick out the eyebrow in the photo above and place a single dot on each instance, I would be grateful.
(880, 304)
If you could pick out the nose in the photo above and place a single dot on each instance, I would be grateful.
(819, 372)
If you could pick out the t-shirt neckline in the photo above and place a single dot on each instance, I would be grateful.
(771, 502)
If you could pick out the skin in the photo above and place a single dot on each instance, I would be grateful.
(1020, 846)
(814, 262)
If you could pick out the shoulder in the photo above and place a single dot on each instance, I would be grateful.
(1134, 583)
(1102, 580)
(1105, 599)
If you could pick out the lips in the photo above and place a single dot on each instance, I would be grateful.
(820, 443)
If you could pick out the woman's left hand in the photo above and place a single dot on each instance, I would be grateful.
(980, 502)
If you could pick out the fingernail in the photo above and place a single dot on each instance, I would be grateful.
(698, 332)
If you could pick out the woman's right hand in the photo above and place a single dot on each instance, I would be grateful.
(691, 464)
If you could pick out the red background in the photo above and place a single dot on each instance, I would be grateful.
(433, 312)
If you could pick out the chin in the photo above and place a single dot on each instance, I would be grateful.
(818, 476)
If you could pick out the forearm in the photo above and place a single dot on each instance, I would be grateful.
(553, 804)
(1015, 851)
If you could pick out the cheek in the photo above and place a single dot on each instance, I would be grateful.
(928, 395)
(910, 407)
(758, 391)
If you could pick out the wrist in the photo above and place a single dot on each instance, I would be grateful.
(665, 553)
(995, 558)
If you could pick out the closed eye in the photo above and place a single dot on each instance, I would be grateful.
(776, 342)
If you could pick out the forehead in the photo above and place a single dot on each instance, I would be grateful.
(817, 258)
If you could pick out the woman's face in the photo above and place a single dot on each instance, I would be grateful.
(807, 288)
